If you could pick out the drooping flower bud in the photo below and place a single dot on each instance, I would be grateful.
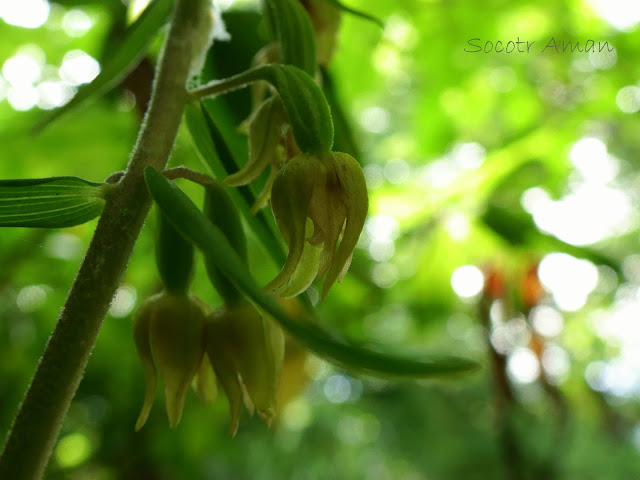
(331, 191)
(246, 351)
(267, 127)
(169, 336)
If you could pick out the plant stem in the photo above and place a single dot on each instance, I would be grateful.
(184, 172)
(226, 85)
(60, 370)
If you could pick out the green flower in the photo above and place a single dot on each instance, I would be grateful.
(246, 351)
(316, 199)
(169, 335)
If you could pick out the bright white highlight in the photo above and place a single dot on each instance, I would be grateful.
(375, 119)
(523, 366)
(78, 67)
(123, 301)
(593, 209)
(76, 23)
(24, 13)
(589, 156)
(628, 99)
(467, 281)
(21, 70)
(621, 14)
(547, 321)
(568, 279)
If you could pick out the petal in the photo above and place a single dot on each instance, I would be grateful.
(328, 211)
(263, 198)
(141, 339)
(354, 188)
(265, 128)
(220, 349)
(290, 197)
(305, 272)
(205, 382)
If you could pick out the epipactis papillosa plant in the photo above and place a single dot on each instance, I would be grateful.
(318, 198)
(319, 201)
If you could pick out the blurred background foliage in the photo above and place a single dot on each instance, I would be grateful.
(503, 227)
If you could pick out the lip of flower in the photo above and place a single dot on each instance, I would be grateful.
(331, 191)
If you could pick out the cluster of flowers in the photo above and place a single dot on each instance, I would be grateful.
(319, 201)
(235, 343)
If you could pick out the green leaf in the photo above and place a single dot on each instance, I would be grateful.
(50, 202)
(289, 24)
(123, 59)
(357, 13)
(306, 106)
(186, 217)
(221, 211)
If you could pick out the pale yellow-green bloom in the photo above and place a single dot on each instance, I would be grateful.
(246, 350)
(169, 336)
(330, 191)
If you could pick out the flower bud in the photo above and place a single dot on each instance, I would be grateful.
(267, 127)
(331, 191)
(169, 336)
(246, 351)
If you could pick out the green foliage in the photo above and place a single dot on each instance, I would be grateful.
(120, 60)
(454, 145)
(303, 100)
(289, 25)
(50, 202)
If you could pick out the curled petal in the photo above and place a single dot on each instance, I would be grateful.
(263, 198)
(305, 272)
(354, 189)
(220, 349)
(261, 364)
(290, 197)
(264, 141)
(141, 339)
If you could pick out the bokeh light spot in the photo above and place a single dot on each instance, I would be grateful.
(467, 281)
(72, 450)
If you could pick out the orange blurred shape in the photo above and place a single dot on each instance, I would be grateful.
(532, 291)
(494, 283)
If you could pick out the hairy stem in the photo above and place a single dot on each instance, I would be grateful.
(184, 172)
(58, 374)
(226, 85)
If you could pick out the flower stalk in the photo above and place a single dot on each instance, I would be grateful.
(37, 425)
